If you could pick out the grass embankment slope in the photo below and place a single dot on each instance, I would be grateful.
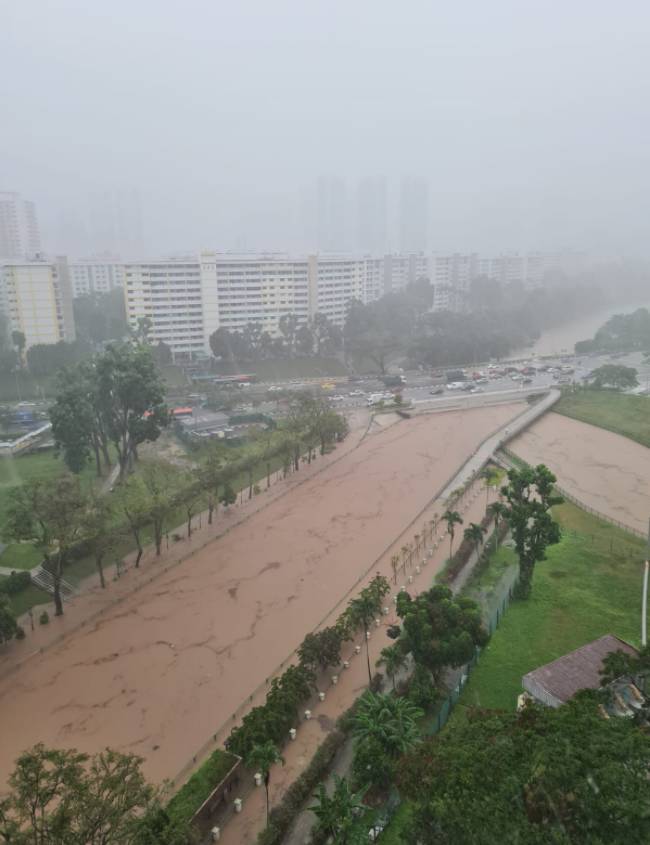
(617, 412)
(589, 586)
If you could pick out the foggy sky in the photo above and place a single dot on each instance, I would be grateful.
(530, 120)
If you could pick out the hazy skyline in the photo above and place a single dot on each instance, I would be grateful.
(528, 121)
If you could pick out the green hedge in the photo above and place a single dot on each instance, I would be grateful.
(190, 797)
(15, 583)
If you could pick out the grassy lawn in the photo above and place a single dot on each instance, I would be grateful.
(617, 412)
(589, 586)
(22, 601)
(20, 556)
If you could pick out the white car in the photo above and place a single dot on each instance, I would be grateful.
(356, 393)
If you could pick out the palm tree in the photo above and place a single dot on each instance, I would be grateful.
(362, 611)
(394, 562)
(490, 476)
(390, 721)
(499, 511)
(452, 518)
(394, 659)
(261, 758)
(338, 814)
(475, 533)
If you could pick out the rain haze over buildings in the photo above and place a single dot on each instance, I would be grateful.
(143, 129)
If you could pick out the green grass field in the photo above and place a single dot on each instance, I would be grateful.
(589, 586)
(617, 412)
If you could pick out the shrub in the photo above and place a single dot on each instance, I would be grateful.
(421, 689)
(44, 618)
(191, 796)
(20, 632)
(15, 582)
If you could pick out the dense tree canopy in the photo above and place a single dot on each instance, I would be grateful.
(541, 777)
(621, 333)
(530, 495)
(614, 375)
(68, 798)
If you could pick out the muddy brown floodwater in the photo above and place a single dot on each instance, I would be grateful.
(603, 470)
(162, 669)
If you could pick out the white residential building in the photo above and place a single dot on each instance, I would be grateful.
(169, 293)
(36, 298)
(19, 235)
(96, 275)
(187, 299)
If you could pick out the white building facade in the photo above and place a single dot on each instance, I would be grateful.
(19, 234)
(96, 275)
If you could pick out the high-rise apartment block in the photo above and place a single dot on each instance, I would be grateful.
(96, 275)
(187, 299)
(36, 299)
(19, 235)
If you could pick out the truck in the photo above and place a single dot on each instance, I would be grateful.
(455, 375)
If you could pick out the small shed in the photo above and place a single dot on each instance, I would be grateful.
(556, 682)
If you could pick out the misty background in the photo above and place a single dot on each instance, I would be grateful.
(156, 127)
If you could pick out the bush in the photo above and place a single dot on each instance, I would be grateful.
(421, 689)
(191, 796)
(15, 583)
(20, 632)
(44, 618)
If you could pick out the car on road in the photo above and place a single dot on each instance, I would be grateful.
(527, 380)
(356, 393)
(437, 391)
(337, 398)
(482, 380)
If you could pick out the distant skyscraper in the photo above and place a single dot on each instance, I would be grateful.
(414, 214)
(115, 223)
(19, 235)
(371, 216)
(331, 216)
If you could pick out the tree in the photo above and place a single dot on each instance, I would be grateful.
(394, 562)
(288, 325)
(542, 775)
(221, 345)
(132, 500)
(614, 375)
(304, 340)
(362, 610)
(159, 481)
(76, 416)
(8, 624)
(452, 518)
(387, 727)
(261, 758)
(440, 630)
(49, 514)
(69, 798)
(322, 648)
(19, 341)
(530, 497)
(499, 511)
(98, 531)
(490, 476)
(338, 814)
(189, 495)
(100, 317)
(475, 533)
(132, 396)
(393, 658)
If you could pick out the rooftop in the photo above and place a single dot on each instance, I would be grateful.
(558, 681)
